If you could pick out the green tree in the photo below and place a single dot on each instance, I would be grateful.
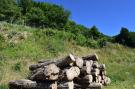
(123, 36)
(36, 18)
(93, 33)
(25, 5)
(131, 40)
(55, 15)
(9, 11)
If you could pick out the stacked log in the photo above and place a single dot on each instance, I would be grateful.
(70, 72)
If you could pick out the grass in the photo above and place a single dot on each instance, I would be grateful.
(19, 50)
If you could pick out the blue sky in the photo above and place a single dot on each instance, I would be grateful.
(108, 15)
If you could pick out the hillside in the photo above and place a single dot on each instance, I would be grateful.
(21, 45)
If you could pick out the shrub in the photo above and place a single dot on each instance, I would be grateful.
(1, 42)
(17, 66)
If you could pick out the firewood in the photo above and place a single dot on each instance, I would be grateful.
(88, 78)
(95, 86)
(107, 81)
(95, 71)
(93, 57)
(95, 64)
(79, 62)
(49, 72)
(102, 67)
(39, 65)
(70, 85)
(22, 84)
(72, 73)
(54, 85)
(88, 67)
(61, 63)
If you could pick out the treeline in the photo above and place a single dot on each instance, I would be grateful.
(33, 13)
(46, 15)
(125, 37)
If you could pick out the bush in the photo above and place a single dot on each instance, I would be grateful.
(17, 66)
(80, 40)
(1, 42)
(92, 43)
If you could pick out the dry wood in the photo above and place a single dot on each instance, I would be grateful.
(88, 67)
(93, 57)
(49, 72)
(54, 85)
(62, 63)
(70, 85)
(72, 73)
(79, 62)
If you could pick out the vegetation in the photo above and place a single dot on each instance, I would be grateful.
(24, 45)
(126, 38)
(52, 34)
(33, 13)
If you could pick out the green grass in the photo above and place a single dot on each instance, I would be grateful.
(19, 50)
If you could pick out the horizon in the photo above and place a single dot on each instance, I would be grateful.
(109, 16)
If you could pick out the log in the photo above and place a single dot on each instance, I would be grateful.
(93, 57)
(88, 67)
(79, 62)
(85, 84)
(70, 85)
(86, 80)
(64, 85)
(102, 72)
(95, 64)
(95, 71)
(102, 67)
(22, 84)
(65, 62)
(83, 71)
(54, 85)
(61, 63)
(49, 72)
(107, 81)
(95, 86)
(99, 78)
(40, 65)
(72, 73)
(28, 84)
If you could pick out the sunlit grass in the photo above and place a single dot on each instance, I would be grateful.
(15, 59)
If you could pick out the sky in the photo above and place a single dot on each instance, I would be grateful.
(108, 15)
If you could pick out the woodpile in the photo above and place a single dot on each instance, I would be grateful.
(70, 72)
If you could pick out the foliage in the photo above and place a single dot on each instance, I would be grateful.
(42, 44)
(9, 11)
(126, 38)
(33, 13)
(25, 5)
(123, 36)
(1, 42)
(131, 40)
(53, 16)
(17, 66)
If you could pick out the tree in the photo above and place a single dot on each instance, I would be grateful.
(93, 33)
(123, 36)
(25, 5)
(56, 15)
(9, 11)
(131, 40)
(36, 18)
